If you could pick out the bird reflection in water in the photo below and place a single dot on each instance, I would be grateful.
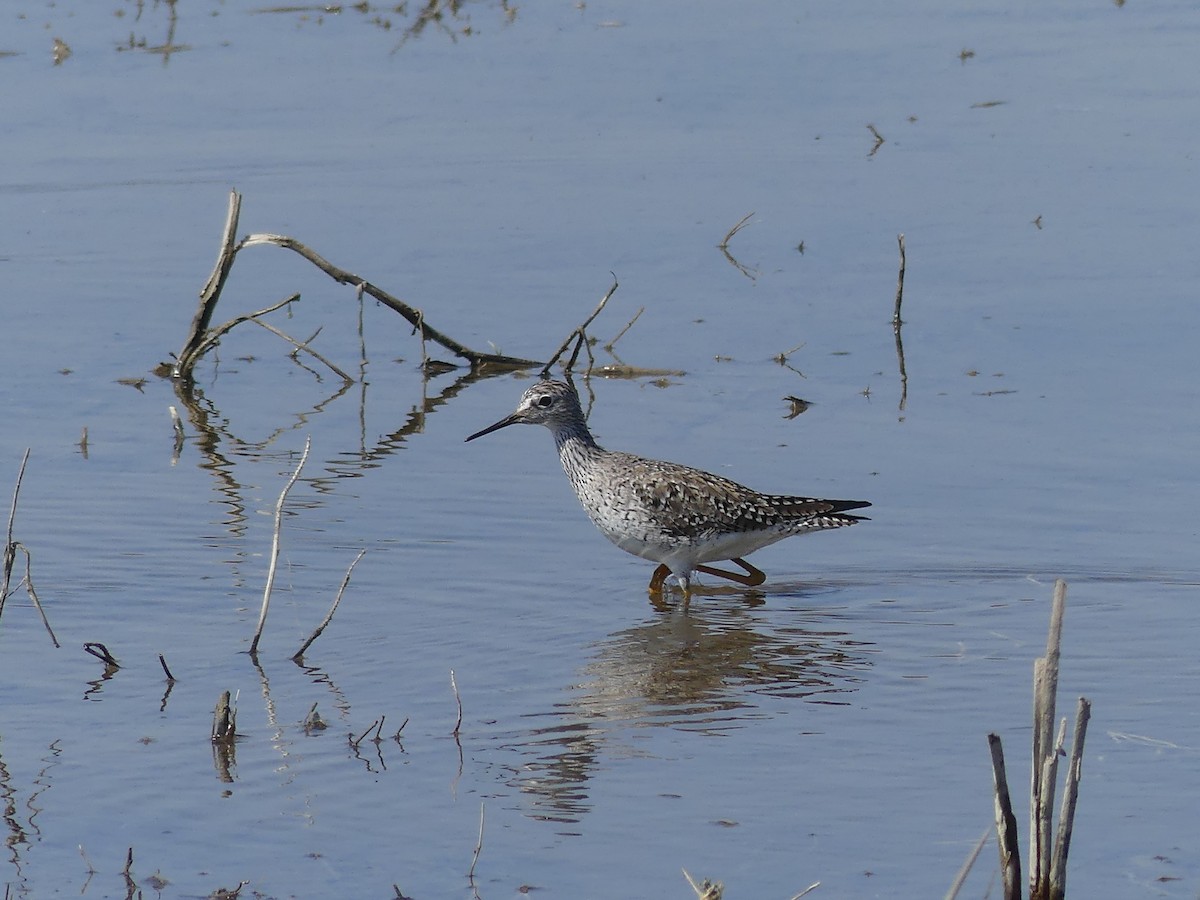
(706, 670)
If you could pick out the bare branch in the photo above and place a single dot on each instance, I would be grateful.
(414, 316)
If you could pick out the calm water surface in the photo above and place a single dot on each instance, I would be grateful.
(493, 169)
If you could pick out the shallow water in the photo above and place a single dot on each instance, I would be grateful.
(828, 726)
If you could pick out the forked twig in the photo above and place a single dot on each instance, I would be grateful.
(303, 345)
(579, 333)
(262, 616)
(211, 338)
(742, 223)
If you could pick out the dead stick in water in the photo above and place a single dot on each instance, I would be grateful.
(214, 335)
(742, 223)
(1045, 749)
(10, 548)
(1066, 816)
(458, 700)
(414, 316)
(896, 323)
(967, 865)
(29, 589)
(1006, 823)
(896, 320)
(262, 616)
(212, 291)
(303, 345)
(478, 848)
(299, 654)
(581, 331)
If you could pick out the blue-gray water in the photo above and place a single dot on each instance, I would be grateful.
(493, 170)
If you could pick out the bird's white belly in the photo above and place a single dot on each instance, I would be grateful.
(684, 555)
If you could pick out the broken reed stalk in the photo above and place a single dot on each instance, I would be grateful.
(1066, 815)
(1047, 861)
(224, 728)
(262, 616)
(580, 332)
(299, 654)
(1006, 824)
(1045, 751)
(10, 547)
(706, 889)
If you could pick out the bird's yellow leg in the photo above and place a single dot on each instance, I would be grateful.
(753, 577)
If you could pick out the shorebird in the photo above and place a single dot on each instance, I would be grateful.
(676, 516)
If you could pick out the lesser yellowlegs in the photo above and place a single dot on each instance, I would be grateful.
(674, 515)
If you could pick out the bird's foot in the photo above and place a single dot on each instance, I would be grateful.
(753, 577)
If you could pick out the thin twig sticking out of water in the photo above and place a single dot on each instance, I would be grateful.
(262, 616)
(10, 548)
(742, 223)
(457, 700)
(897, 322)
(478, 850)
(299, 654)
(961, 877)
(724, 247)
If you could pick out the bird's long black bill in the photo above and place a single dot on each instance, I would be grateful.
(503, 423)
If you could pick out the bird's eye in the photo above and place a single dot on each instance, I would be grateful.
(545, 402)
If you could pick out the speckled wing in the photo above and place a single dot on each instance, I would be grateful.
(692, 504)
